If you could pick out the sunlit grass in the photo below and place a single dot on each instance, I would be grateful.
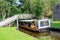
(55, 24)
(10, 33)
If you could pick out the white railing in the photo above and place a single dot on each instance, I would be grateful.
(13, 18)
(8, 20)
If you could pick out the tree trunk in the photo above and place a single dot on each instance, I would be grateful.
(3, 14)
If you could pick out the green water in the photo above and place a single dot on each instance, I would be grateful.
(44, 35)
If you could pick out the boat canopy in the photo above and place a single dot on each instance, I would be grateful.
(26, 20)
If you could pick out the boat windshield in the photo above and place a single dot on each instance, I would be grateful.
(44, 23)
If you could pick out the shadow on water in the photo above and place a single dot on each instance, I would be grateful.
(43, 35)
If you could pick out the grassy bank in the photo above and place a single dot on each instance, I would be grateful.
(10, 33)
(55, 24)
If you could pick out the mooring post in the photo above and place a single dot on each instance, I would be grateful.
(17, 24)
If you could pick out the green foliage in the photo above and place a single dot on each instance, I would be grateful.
(25, 6)
(15, 10)
(38, 8)
(3, 8)
(33, 6)
(53, 3)
(8, 8)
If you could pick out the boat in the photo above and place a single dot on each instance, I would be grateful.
(34, 25)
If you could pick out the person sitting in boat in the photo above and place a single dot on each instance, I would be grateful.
(33, 25)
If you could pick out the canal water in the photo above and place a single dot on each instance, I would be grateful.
(43, 35)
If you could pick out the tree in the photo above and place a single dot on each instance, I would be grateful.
(14, 7)
(8, 8)
(3, 8)
(53, 3)
(32, 6)
(38, 7)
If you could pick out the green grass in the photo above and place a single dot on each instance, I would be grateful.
(55, 24)
(10, 33)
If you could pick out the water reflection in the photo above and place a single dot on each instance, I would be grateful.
(44, 35)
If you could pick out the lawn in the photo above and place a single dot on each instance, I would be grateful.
(55, 24)
(10, 33)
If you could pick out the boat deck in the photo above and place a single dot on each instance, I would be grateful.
(30, 28)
